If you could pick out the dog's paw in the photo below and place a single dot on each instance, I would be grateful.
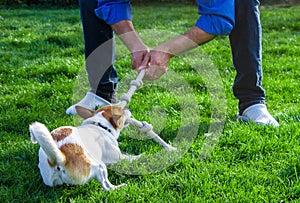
(119, 186)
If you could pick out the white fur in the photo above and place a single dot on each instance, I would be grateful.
(39, 133)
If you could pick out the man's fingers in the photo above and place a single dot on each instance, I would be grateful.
(145, 63)
(155, 72)
(137, 58)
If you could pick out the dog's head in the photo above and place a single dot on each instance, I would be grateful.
(114, 115)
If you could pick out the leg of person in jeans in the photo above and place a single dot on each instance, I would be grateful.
(99, 54)
(246, 45)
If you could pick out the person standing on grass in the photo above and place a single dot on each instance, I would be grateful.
(240, 19)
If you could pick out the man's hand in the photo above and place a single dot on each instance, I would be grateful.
(137, 58)
(156, 63)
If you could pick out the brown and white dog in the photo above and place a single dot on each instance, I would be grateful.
(75, 155)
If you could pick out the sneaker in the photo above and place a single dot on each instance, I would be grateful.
(259, 114)
(90, 101)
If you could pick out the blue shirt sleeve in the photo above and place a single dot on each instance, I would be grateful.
(113, 11)
(217, 16)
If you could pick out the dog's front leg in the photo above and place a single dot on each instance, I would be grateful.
(102, 177)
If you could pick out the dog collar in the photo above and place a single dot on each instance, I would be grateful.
(102, 126)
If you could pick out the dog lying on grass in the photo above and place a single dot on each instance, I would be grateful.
(75, 155)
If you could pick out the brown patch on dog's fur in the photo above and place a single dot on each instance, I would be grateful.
(77, 164)
(113, 114)
(61, 133)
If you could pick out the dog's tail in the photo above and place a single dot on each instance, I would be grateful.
(40, 134)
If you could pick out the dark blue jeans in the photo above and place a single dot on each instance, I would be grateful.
(246, 46)
(99, 51)
(245, 40)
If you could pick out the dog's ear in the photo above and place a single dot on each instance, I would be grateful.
(84, 112)
(117, 121)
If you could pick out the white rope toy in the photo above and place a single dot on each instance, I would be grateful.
(143, 126)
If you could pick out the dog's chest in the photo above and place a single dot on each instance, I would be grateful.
(99, 144)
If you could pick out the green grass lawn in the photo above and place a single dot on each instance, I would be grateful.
(41, 55)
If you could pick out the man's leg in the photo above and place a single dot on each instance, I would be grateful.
(246, 41)
(246, 45)
(99, 52)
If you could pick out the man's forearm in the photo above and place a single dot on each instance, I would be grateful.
(125, 30)
(189, 40)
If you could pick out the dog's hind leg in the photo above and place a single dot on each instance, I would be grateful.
(102, 177)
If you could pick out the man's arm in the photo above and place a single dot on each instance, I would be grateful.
(189, 40)
(125, 30)
(216, 18)
(157, 59)
(118, 15)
